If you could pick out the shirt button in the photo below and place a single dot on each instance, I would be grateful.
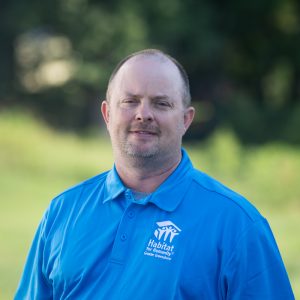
(128, 195)
(124, 237)
(131, 214)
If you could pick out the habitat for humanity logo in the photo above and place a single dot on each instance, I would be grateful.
(161, 247)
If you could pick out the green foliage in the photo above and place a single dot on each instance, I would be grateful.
(38, 163)
(242, 58)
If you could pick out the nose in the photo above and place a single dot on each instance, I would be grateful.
(144, 112)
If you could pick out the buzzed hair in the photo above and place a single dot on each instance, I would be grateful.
(186, 96)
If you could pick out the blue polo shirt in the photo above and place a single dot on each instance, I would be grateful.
(192, 238)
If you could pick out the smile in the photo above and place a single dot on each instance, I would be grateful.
(144, 132)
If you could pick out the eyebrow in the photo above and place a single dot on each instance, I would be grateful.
(128, 94)
(157, 97)
(161, 97)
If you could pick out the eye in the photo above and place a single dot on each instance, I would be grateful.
(163, 104)
(129, 101)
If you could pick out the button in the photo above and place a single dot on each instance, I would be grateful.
(124, 237)
(128, 195)
(131, 214)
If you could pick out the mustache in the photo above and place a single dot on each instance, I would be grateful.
(145, 127)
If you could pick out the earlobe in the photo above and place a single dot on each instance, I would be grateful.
(105, 111)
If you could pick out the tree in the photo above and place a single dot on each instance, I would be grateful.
(242, 58)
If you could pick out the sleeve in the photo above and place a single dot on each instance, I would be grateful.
(33, 284)
(255, 269)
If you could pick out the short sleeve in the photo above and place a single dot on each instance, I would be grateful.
(255, 269)
(33, 284)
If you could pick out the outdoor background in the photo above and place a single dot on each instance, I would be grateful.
(243, 60)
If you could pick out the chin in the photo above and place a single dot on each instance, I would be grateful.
(141, 152)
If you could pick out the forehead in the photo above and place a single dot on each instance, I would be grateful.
(150, 73)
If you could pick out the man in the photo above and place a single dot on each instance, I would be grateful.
(153, 227)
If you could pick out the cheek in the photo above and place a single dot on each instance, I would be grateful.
(174, 128)
(111, 126)
(181, 130)
(180, 127)
(117, 125)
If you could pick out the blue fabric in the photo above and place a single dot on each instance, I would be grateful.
(191, 239)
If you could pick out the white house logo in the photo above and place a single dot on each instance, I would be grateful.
(166, 230)
(161, 247)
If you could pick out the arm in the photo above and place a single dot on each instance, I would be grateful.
(255, 269)
(33, 283)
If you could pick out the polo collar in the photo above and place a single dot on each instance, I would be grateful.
(167, 196)
(172, 191)
(113, 185)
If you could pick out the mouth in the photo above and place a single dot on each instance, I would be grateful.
(143, 132)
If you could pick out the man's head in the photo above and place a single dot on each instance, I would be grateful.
(186, 96)
(147, 108)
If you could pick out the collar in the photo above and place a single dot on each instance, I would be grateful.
(113, 185)
(167, 196)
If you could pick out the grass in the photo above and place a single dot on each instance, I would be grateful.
(37, 163)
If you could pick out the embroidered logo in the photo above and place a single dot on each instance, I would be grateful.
(166, 229)
(161, 247)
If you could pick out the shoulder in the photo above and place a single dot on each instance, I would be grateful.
(70, 203)
(88, 183)
(79, 192)
(220, 197)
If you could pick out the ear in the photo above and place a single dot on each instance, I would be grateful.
(189, 114)
(105, 111)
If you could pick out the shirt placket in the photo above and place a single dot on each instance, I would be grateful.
(124, 233)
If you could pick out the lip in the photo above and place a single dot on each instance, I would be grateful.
(144, 130)
(142, 134)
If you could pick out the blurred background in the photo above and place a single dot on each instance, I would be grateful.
(243, 60)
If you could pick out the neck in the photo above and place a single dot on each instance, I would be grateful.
(145, 175)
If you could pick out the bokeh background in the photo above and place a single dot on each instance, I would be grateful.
(243, 60)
